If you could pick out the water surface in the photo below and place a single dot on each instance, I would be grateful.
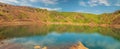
(61, 36)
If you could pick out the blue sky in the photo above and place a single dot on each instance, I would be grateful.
(87, 6)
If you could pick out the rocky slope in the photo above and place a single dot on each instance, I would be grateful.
(12, 13)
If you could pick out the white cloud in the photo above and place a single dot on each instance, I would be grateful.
(17, 2)
(118, 3)
(49, 1)
(51, 9)
(28, 2)
(105, 2)
(82, 3)
(34, 0)
(95, 3)
(98, 2)
(9, 1)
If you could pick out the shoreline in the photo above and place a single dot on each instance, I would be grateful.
(57, 23)
(19, 23)
(86, 24)
(5, 45)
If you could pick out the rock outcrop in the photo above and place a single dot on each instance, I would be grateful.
(79, 45)
(39, 47)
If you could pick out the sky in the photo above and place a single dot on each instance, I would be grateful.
(85, 6)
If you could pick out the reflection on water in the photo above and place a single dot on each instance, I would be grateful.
(61, 36)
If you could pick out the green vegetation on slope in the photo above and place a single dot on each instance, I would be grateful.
(10, 13)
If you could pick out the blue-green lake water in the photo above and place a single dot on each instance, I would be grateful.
(61, 36)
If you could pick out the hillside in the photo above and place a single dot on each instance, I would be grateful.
(18, 13)
(111, 18)
(12, 13)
